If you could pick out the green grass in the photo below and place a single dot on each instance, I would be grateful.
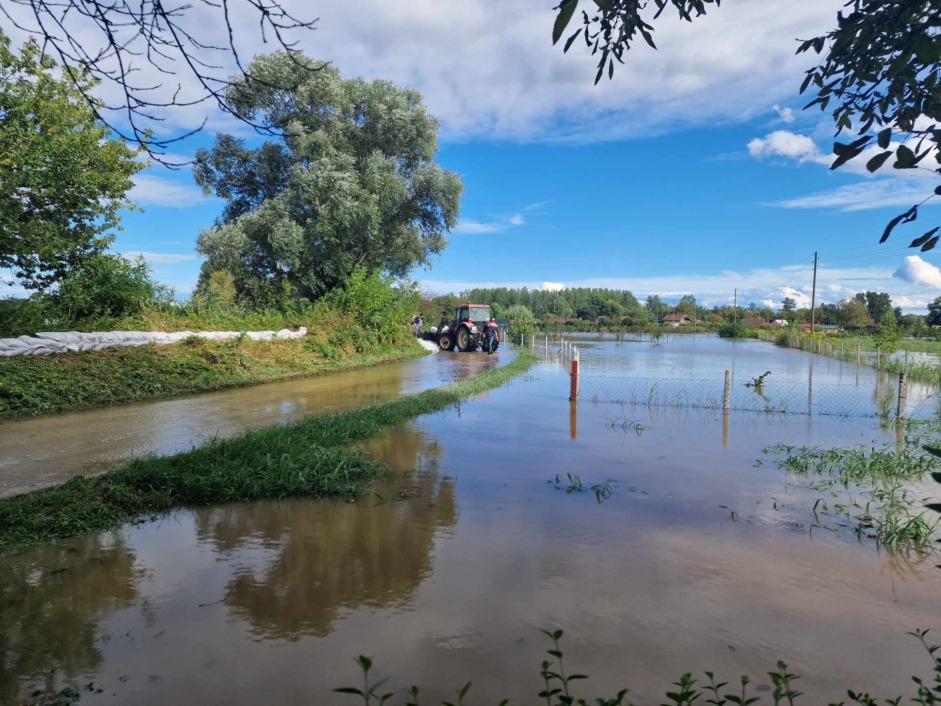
(35, 385)
(844, 348)
(870, 486)
(308, 458)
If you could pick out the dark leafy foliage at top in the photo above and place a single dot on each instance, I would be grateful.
(879, 73)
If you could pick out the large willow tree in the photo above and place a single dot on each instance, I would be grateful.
(352, 183)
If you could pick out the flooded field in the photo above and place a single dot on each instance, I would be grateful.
(35, 453)
(699, 560)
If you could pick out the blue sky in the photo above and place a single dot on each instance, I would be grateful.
(693, 171)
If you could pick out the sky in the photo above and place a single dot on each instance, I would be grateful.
(694, 171)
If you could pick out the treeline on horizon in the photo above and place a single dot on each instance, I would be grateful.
(620, 307)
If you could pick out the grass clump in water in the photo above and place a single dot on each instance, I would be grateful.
(307, 458)
(891, 513)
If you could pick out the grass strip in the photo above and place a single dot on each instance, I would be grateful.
(34, 385)
(306, 458)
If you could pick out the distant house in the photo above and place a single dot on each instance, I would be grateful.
(823, 328)
(677, 319)
(754, 323)
(559, 321)
(778, 323)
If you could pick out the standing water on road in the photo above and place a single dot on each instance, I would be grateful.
(36, 453)
(699, 560)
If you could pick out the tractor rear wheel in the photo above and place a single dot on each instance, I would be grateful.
(465, 341)
(445, 342)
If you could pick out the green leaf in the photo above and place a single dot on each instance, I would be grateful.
(569, 41)
(566, 10)
(937, 191)
(934, 506)
(884, 137)
(907, 217)
(921, 240)
(904, 158)
(877, 161)
(847, 152)
(930, 244)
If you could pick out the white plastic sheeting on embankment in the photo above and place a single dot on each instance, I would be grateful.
(428, 345)
(73, 341)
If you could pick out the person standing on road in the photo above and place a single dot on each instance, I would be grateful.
(491, 331)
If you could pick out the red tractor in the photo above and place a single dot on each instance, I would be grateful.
(465, 331)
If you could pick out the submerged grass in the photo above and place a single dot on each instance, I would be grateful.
(307, 458)
(889, 511)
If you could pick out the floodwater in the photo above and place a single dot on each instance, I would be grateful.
(44, 451)
(689, 371)
(699, 560)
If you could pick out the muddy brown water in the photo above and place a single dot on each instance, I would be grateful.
(36, 453)
(446, 571)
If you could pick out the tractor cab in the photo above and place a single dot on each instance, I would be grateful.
(479, 314)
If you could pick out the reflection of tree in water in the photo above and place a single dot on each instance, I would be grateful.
(51, 602)
(334, 555)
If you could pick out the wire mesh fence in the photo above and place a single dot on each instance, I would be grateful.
(605, 379)
(787, 397)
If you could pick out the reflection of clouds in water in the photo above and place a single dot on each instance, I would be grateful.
(52, 601)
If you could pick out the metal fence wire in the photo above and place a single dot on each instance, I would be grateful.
(603, 381)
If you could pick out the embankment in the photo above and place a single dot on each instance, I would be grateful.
(31, 386)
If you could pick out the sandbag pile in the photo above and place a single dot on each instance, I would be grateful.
(73, 341)
(430, 346)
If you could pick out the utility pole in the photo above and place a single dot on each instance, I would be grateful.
(813, 297)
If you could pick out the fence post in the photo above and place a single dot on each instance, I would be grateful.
(573, 386)
(903, 394)
(857, 354)
(728, 390)
(906, 363)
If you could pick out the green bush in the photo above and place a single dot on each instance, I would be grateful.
(376, 307)
(106, 286)
(736, 330)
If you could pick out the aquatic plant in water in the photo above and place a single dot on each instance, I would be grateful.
(561, 689)
(602, 491)
(891, 513)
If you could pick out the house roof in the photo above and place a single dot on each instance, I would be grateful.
(676, 317)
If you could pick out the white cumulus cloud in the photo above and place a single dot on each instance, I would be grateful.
(784, 143)
(919, 272)
(552, 286)
(785, 115)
